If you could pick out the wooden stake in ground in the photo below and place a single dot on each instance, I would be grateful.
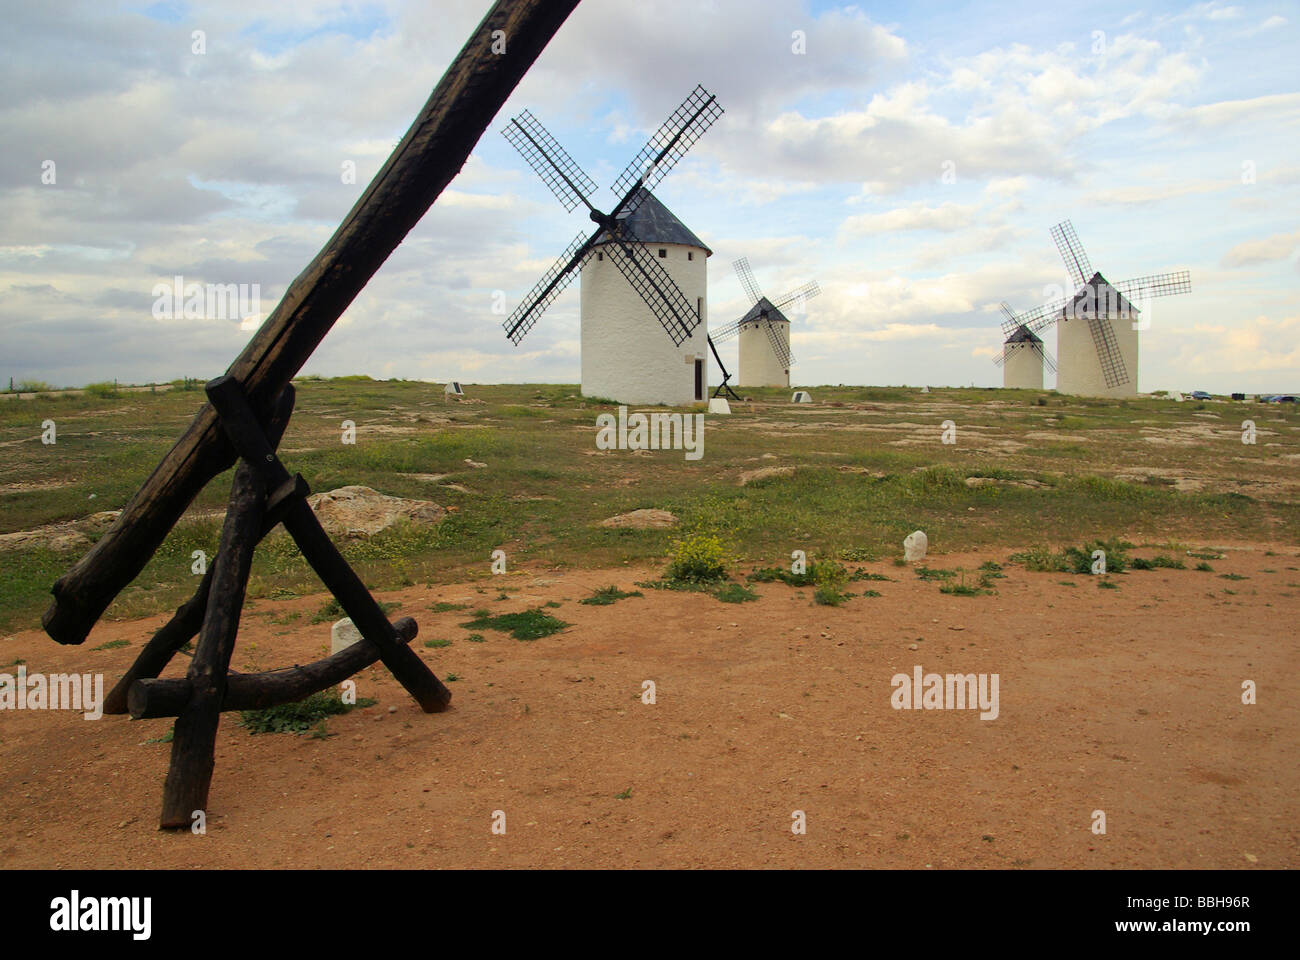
(469, 95)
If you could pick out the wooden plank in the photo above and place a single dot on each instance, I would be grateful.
(464, 102)
(151, 699)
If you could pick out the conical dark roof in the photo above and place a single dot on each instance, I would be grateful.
(764, 306)
(652, 222)
(1023, 335)
(1098, 298)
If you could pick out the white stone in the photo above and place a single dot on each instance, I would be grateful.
(914, 546)
(1176, 396)
(925, 389)
(801, 396)
(719, 405)
(453, 389)
(343, 634)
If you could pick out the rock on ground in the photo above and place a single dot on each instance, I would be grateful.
(762, 473)
(356, 511)
(641, 520)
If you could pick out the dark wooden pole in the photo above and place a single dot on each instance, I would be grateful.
(188, 619)
(238, 420)
(190, 774)
(150, 699)
(469, 95)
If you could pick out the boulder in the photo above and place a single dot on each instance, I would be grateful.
(357, 511)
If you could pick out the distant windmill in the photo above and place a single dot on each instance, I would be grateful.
(639, 266)
(1098, 357)
(1023, 357)
(764, 332)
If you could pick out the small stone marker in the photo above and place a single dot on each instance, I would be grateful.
(343, 634)
(914, 546)
(801, 396)
(719, 405)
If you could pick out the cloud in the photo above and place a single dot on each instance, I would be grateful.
(1280, 246)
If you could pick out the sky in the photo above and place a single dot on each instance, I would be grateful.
(909, 156)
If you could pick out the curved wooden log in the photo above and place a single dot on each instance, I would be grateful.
(150, 699)
(466, 99)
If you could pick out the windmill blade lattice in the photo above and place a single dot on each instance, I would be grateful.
(1160, 285)
(553, 283)
(1072, 252)
(652, 282)
(669, 144)
(747, 280)
(729, 332)
(799, 295)
(1108, 352)
(779, 346)
(552, 162)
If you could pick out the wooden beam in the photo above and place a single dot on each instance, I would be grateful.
(466, 99)
(188, 619)
(150, 699)
(238, 420)
(190, 773)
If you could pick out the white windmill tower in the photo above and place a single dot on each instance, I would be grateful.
(1097, 338)
(764, 331)
(1023, 357)
(643, 272)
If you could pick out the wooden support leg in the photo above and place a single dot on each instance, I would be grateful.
(240, 424)
(188, 619)
(190, 774)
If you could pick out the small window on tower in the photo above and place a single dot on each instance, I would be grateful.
(663, 254)
(600, 256)
(690, 254)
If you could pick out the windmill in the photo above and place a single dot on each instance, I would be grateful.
(1099, 356)
(764, 331)
(1023, 357)
(644, 272)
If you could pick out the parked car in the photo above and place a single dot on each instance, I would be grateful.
(1278, 398)
(1200, 395)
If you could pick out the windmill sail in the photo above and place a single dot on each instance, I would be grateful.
(552, 284)
(669, 144)
(552, 162)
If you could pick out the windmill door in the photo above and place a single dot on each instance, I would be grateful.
(699, 379)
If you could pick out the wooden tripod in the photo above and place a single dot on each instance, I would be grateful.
(262, 495)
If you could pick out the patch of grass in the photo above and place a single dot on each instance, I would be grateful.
(735, 593)
(289, 617)
(452, 677)
(166, 737)
(555, 604)
(625, 795)
(1158, 562)
(529, 625)
(868, 575)
(1204, 567)
(330, 610)
(1204, 555)
(301, 716)
(476, 638)
(443, 607)
(113, 645)
(1107, 585)
(437, 643)
(870, 593)
(1067, 583)
(963, 589)
(829, 595)
(935, 573)
(1232, 576)
(607, 595)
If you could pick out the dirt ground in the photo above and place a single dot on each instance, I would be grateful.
(1126, 701)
